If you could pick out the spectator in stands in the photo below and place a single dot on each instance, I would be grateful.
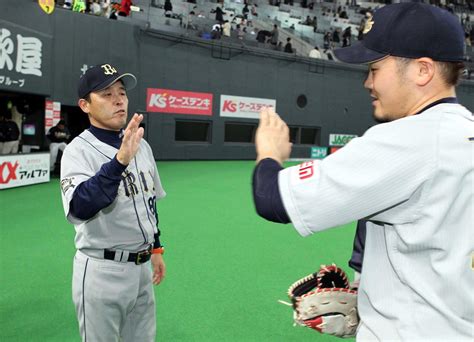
(105, 7)
(253, 11)
(308, 21)
(245, 11)
(219, 14)
(288, 46)
(216, 32)
(262, 36)
(315, 24)
(336, 37)
(249, 19)
(240, 32)
(467, 39)
(125, 8)
(95, 8)
(9, 135)
(343, 14)
(347, 36)
(79, 6)
(330, 55)
(168, 6)
(226, 28)
(59, 137)
(114, 9)
(327, 41)
(315, 53)
(274, 39)
(365, 25)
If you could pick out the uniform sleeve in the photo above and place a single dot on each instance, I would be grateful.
(86, 191)
(98, 192)
(367, 178)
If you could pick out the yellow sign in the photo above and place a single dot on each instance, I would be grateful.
(47, 5)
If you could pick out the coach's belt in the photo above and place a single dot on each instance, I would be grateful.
(138, 258)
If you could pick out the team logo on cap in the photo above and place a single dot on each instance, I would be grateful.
(368, 26)
(108, 69)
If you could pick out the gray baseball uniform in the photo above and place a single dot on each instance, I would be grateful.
(105, 291)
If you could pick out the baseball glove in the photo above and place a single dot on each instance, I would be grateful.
(325, 302)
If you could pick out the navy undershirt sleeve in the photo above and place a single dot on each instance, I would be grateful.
(98, 192)
(359, 245)
(266, 194)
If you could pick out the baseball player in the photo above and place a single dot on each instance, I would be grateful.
(110, 185)
(411, 178)
(58, 136)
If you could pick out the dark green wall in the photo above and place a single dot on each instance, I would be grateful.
(337, 101)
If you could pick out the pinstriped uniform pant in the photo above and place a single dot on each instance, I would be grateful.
(114, 301)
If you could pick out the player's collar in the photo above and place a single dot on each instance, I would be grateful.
(443, 100)
(112, 138)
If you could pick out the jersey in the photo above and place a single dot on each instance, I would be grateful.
(413, 180)
(133, 222)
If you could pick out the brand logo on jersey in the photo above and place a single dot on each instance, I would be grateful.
(306, 170)
(108, 69)
(10, 174)
(66, 184)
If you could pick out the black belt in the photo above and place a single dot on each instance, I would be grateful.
(138, 258)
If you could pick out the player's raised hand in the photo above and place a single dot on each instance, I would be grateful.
(132, 136)
(272, 139)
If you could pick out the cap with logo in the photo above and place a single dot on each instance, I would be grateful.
(409, 30)
(102, 76)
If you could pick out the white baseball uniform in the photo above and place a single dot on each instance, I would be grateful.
(413, 179)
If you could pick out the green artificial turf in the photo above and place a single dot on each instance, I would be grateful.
(226, 267)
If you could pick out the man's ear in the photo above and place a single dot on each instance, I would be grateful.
(426, 69)
(84, 105)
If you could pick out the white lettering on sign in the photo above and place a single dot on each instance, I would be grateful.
(28, 55)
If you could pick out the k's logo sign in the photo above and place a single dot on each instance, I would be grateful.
(229, 106)
(108, 69)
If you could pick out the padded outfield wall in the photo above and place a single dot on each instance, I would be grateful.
(316, 98)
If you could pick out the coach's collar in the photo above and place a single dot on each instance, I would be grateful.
(112, 138)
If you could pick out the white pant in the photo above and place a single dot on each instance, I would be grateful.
(9, 147)
(114, 300)
(53, 148)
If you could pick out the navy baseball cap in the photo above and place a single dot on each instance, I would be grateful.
(103, 76)
(409, 30)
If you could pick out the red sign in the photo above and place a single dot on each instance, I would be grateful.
(178, 102)
(8, 172)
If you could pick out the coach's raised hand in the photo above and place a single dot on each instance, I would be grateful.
(132, 136)
(272, 139)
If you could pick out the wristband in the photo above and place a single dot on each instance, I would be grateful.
(159, 250)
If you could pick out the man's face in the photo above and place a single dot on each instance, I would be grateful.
(389, 88)
(107, 108)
